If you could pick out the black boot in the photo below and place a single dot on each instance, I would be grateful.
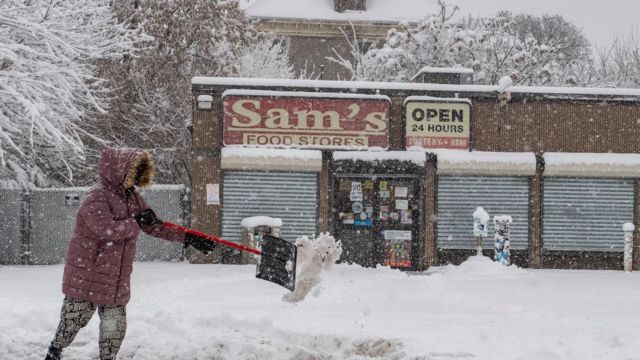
(53, 353)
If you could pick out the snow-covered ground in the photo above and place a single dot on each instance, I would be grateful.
(479, 310)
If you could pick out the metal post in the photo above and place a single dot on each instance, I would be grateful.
(25, 228)
(628, 246)
(479, 245)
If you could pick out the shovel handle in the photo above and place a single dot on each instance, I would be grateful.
(215, 239)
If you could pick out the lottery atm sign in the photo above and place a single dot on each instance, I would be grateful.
(438, 123)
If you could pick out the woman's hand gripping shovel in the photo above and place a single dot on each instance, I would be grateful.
(277, 262)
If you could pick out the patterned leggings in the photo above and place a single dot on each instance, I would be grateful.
(76, 314)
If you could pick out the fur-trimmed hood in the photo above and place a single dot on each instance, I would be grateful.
(118, 168)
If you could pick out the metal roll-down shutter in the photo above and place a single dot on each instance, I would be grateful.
(291, 197)
(459, 196)
(586, 214)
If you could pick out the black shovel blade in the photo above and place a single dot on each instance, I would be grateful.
(277, 262)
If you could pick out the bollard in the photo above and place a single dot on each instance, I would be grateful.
(502, 227)
(480, 229)
(628, 229)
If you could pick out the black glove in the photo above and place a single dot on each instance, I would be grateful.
(147, 217)
(201, 244)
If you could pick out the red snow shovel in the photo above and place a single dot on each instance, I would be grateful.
(277, 261)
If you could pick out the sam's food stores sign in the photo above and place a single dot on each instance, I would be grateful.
(437, 122)
(310, 120)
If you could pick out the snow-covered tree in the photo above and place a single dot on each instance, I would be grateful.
(542, 51)
(406, 50)
(48, 91)
(191, 38)
(618, 65)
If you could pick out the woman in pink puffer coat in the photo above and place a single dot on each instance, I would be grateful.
(97, 272)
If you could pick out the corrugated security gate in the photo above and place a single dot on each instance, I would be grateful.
(10, 226)
(586, 214)
(291, 197)
(459, 196)
(53, 217)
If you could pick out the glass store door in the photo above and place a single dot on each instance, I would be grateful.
(377, 220)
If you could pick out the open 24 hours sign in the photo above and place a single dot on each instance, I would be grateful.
(305, 120)
(437, 123)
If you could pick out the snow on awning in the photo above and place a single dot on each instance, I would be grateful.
(244, 158)
(412, 156)
(485, 163)
(592, 165)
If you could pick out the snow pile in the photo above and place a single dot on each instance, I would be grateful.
(628, 227)
(255, 221)
(478, 310)
(502, 218)
(313, 258)
(482, 215)
(478, 267)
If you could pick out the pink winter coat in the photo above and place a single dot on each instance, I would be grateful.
(101, 252)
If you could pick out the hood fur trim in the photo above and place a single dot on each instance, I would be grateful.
(144, 163)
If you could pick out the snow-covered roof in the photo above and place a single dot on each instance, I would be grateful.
(592, 165)
(436, 99)
(377, 10)
(299, 94)
(248, 158)
(484, 162)
(577, 93)
(412, 156)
